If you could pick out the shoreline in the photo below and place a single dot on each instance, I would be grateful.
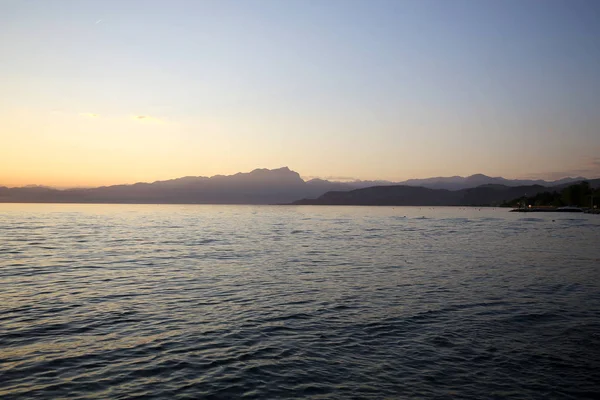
(558, 210)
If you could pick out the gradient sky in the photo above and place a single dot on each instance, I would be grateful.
(101, 92)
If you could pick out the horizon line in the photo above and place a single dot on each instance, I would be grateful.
(305, 178)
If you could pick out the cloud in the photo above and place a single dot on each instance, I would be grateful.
(588, 169)
(333, 178)
(146, 119)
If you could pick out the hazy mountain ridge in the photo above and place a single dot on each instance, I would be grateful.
(260, 186)
(459, 182)
(403, 195)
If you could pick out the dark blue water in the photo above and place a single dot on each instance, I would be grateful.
(126, 301)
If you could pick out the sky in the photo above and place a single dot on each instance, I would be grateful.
(105, 92)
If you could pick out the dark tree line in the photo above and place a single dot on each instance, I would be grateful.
(580, 195)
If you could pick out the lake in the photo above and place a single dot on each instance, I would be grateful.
(201, 301)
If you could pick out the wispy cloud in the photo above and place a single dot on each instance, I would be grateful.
(332, 178)
(588, 169)
(147, 119)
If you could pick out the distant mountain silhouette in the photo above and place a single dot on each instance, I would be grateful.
(402, 195)
(459, 182)
(260, 186)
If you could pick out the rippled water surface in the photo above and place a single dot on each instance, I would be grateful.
(126, 301)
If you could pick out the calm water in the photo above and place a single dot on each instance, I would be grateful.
(126, 301)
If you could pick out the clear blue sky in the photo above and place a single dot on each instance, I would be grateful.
(366, 89)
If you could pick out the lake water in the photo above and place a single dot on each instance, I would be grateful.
(170, 301)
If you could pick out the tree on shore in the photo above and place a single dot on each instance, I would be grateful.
(579, 195)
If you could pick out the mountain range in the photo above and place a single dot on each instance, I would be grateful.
(276, 186)
(459, 182)
(402, 195)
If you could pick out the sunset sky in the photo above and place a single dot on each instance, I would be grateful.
(104, 92)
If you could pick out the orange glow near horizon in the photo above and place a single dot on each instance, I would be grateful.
(99, 93)
(86, 149)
